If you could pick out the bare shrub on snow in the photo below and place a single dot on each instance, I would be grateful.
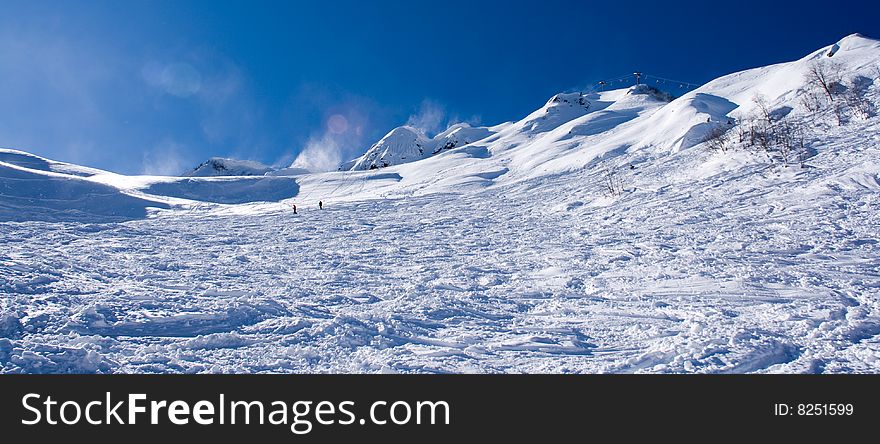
(827, 89)
(764, 131)
(611, 183)
(761, 104)
(719, 139)
(826, 76)
(811, 100)
(855, 96)
(788, 141)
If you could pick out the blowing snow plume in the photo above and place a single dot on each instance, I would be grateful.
(341, 138)
(165, 159)
(320, 154)
(429, 119)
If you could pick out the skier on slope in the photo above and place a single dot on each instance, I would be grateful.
(294, 208)
(320, 205)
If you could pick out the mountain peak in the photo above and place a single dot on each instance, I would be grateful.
(857, 41)
(221, 166)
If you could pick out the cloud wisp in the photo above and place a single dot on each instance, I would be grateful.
(87, 100)
(430, 117)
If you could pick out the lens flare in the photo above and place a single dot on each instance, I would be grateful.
(181, 79)
(337, 124)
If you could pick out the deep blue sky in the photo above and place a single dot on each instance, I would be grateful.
(158, 86)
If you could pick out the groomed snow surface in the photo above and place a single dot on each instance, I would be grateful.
(503, 254)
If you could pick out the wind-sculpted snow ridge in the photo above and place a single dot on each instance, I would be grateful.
(30, 161)
(607, 240)
(32, 188)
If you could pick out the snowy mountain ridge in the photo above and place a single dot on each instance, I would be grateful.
(220, 166)
(408, 144)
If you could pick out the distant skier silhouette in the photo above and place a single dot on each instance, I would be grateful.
(294, 208)
(320, 205)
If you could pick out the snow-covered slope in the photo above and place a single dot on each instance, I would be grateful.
(580, 130)
(559, 109)
(224, 190)
(458, 135)
(597, 234)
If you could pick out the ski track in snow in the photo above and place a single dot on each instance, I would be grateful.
(544, 275)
